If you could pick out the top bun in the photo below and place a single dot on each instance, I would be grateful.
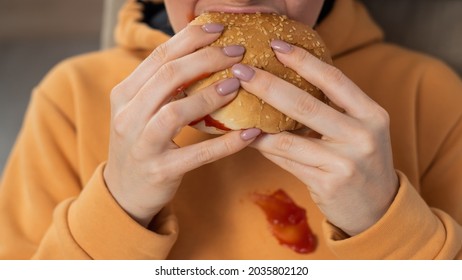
(255, 32)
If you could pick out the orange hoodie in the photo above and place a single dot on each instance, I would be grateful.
(54, 203)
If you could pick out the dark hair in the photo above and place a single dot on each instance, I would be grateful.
(156, 16)
(326, 8)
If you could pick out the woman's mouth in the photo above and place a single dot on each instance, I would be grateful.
(238, 9)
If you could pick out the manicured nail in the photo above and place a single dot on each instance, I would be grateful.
(228, 86)
(250, 134)
(281, 46)
(213, 27)
(234, 50)
(243, 72)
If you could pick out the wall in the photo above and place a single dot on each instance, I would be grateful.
(34, 36)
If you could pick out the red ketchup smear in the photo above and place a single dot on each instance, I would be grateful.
(209, 121)
(287, 221)
(191, 17)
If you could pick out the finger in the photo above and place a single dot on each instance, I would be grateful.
(339, 88)
(308, 174)
(294, 102)
(202, 153)
(158, 90)
(188, 40)
(294, 148)
(172, 117)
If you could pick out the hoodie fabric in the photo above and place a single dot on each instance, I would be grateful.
(54, 203)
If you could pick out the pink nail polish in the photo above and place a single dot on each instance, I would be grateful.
(228, 86)
(234, 50)
(281, 46)
(213, 27)
(250, 134)
(243, 72)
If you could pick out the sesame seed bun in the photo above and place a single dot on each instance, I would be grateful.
(255, 32)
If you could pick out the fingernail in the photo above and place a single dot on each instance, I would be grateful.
(250, 134)
(213, 27)
(233, 51)
(281, 46)
(243, 72)
(228, 86)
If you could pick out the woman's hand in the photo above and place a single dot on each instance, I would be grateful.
(349, 170)
(145, 166)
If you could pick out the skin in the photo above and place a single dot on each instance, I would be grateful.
(348, 171)
(181, 12)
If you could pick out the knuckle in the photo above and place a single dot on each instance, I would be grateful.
(207, 100)
(229, 147)
(382, 118)
(267, 86)
(158, 172)
(208, 153)
(326, 190)
(155, 171)
(306, 105)
(137, 153)
(115, 95)
(333, 75)
(291, 164)
(167, 71)
(330, 192)
(346, 168)
(368, 147)
(285, 142)
(371, 135)
(302, 57)
(160, 54)
(169, 115)
(116, 90)
(204, 155)
(377, 117)
(120, 122)
(209, 53)
(365, 143)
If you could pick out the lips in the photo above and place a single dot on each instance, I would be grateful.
(238, 9)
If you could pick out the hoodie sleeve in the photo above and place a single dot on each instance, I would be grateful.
(423, 222)
(409, 230)
(48, 212)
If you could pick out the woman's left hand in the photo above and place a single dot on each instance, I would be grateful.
(349, 170)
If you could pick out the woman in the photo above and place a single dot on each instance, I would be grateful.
(126, 178)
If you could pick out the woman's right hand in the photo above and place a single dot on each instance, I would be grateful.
(145, 167)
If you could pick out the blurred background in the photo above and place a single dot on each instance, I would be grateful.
(36, 34)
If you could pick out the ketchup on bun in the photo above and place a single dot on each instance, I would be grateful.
(255, 32)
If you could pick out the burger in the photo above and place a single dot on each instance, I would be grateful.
(255, 32)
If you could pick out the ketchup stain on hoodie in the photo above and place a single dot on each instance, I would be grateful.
(288, 222)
